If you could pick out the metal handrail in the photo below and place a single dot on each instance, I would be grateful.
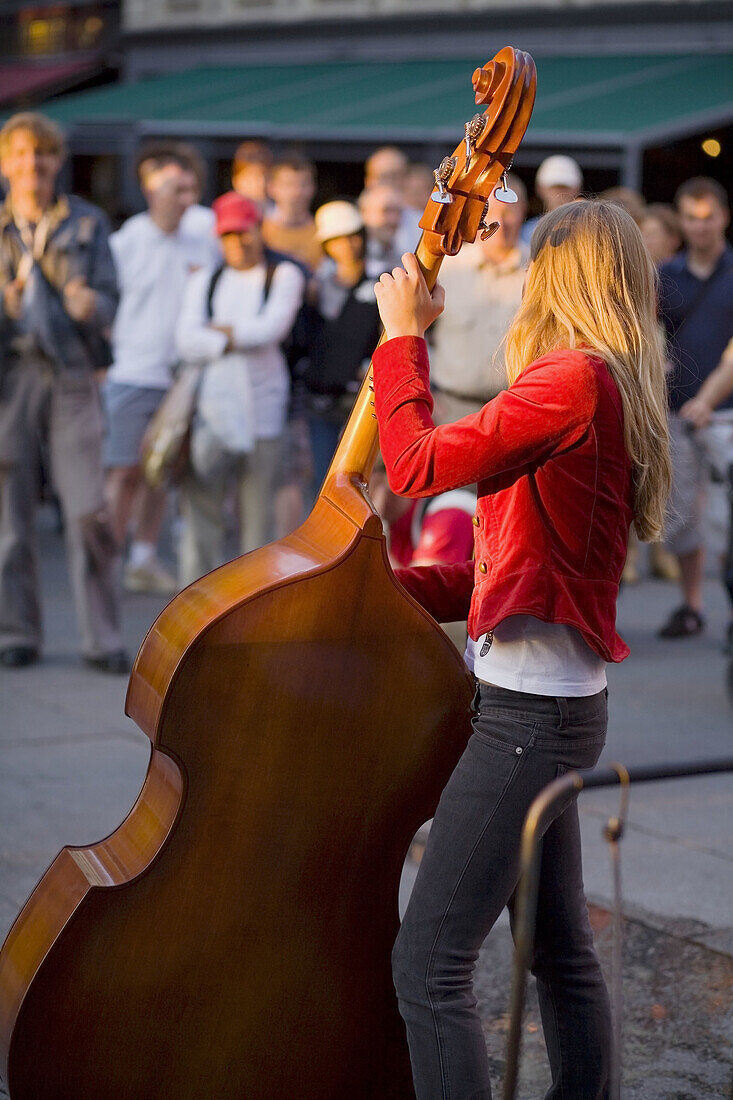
(530, 857)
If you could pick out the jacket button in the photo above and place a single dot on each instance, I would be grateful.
(482, 567)
(476, 521)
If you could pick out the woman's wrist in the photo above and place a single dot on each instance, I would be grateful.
(393, 332)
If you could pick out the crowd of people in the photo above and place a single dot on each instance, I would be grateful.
(276, 304)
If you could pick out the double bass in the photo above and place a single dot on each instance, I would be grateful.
(232, 937)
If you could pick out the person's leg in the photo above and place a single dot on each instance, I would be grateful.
(573, 998)
(201, 544)
(121, 489)
(124, 425)
(256, 489)
(469, 872)
(137, 509)
(324, 436)
(692, 568)
(75, 438)
(465, 879)
(683, 536)
(718, 442)
(23, 400)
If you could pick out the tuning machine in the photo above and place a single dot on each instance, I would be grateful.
(487, 230)
(442, 174)
(474, 129)
(504, 193)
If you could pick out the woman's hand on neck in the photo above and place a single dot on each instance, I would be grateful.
(406, 306)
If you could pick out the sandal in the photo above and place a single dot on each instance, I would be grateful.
(685, 622)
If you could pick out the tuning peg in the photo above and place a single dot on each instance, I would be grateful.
(503, 192)
(487, 230)
(442, 174)
(473, 130)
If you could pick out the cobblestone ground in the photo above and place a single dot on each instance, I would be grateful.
(677, 1015)
(677, 1041)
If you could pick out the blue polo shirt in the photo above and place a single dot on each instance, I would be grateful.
(696, 346)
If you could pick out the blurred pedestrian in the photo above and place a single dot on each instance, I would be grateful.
(250, 168)
(632, 201)
(385, 167)
(288, 226)
(418, 187)
(198, 220)
(696, 306)
(389, 167)
(154, 258)
(241, 313)
(699, 411)
(558, 180)
(59, 295)
(660, 228)
(381, 208)
(483, 290)
(344, 331)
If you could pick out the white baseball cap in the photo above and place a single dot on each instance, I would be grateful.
(337, 219)
(559, 171)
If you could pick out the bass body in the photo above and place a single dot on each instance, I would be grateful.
(232, 937)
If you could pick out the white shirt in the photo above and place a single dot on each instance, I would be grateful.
(258, 331)
(526, 654)
(152, 269)
(481, 298)
(409, 233)
(200, 221)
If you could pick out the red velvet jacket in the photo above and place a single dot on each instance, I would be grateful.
(554, 491)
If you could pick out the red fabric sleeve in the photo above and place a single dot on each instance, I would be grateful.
(547, 410)
(443, 590)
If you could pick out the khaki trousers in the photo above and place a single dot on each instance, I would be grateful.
(59, 411)
(202, 505)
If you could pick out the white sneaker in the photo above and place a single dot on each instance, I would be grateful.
(149, 577)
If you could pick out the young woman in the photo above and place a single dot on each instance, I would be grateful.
(565, 460)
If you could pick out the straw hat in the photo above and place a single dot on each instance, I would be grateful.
(337, 219)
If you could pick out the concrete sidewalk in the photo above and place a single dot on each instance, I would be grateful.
(71, 766)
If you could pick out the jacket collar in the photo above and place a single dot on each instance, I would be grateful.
(58, 212)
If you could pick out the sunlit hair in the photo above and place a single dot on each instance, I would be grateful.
(592, 284)
(49, 137)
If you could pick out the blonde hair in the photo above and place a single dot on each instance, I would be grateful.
(592, 284)
(48, 135)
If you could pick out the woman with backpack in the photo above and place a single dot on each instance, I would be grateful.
(236, 318)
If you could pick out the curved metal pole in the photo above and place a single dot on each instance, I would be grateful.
(530, 857)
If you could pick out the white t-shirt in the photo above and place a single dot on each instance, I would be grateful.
(152, 270)
(258, 331)
(527, 654)
(200, 221)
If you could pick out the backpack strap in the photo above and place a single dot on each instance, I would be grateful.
(215, 276)
(270, 270)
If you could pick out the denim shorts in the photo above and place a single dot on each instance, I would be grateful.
(128, 411)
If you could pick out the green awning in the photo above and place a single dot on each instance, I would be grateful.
(603, 100)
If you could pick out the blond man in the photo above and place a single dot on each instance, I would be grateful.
(58, 295)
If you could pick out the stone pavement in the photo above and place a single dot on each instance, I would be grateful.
(71, 765)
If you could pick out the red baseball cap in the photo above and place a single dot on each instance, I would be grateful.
(235, 213)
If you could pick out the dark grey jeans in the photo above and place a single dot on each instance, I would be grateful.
(468, 874)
